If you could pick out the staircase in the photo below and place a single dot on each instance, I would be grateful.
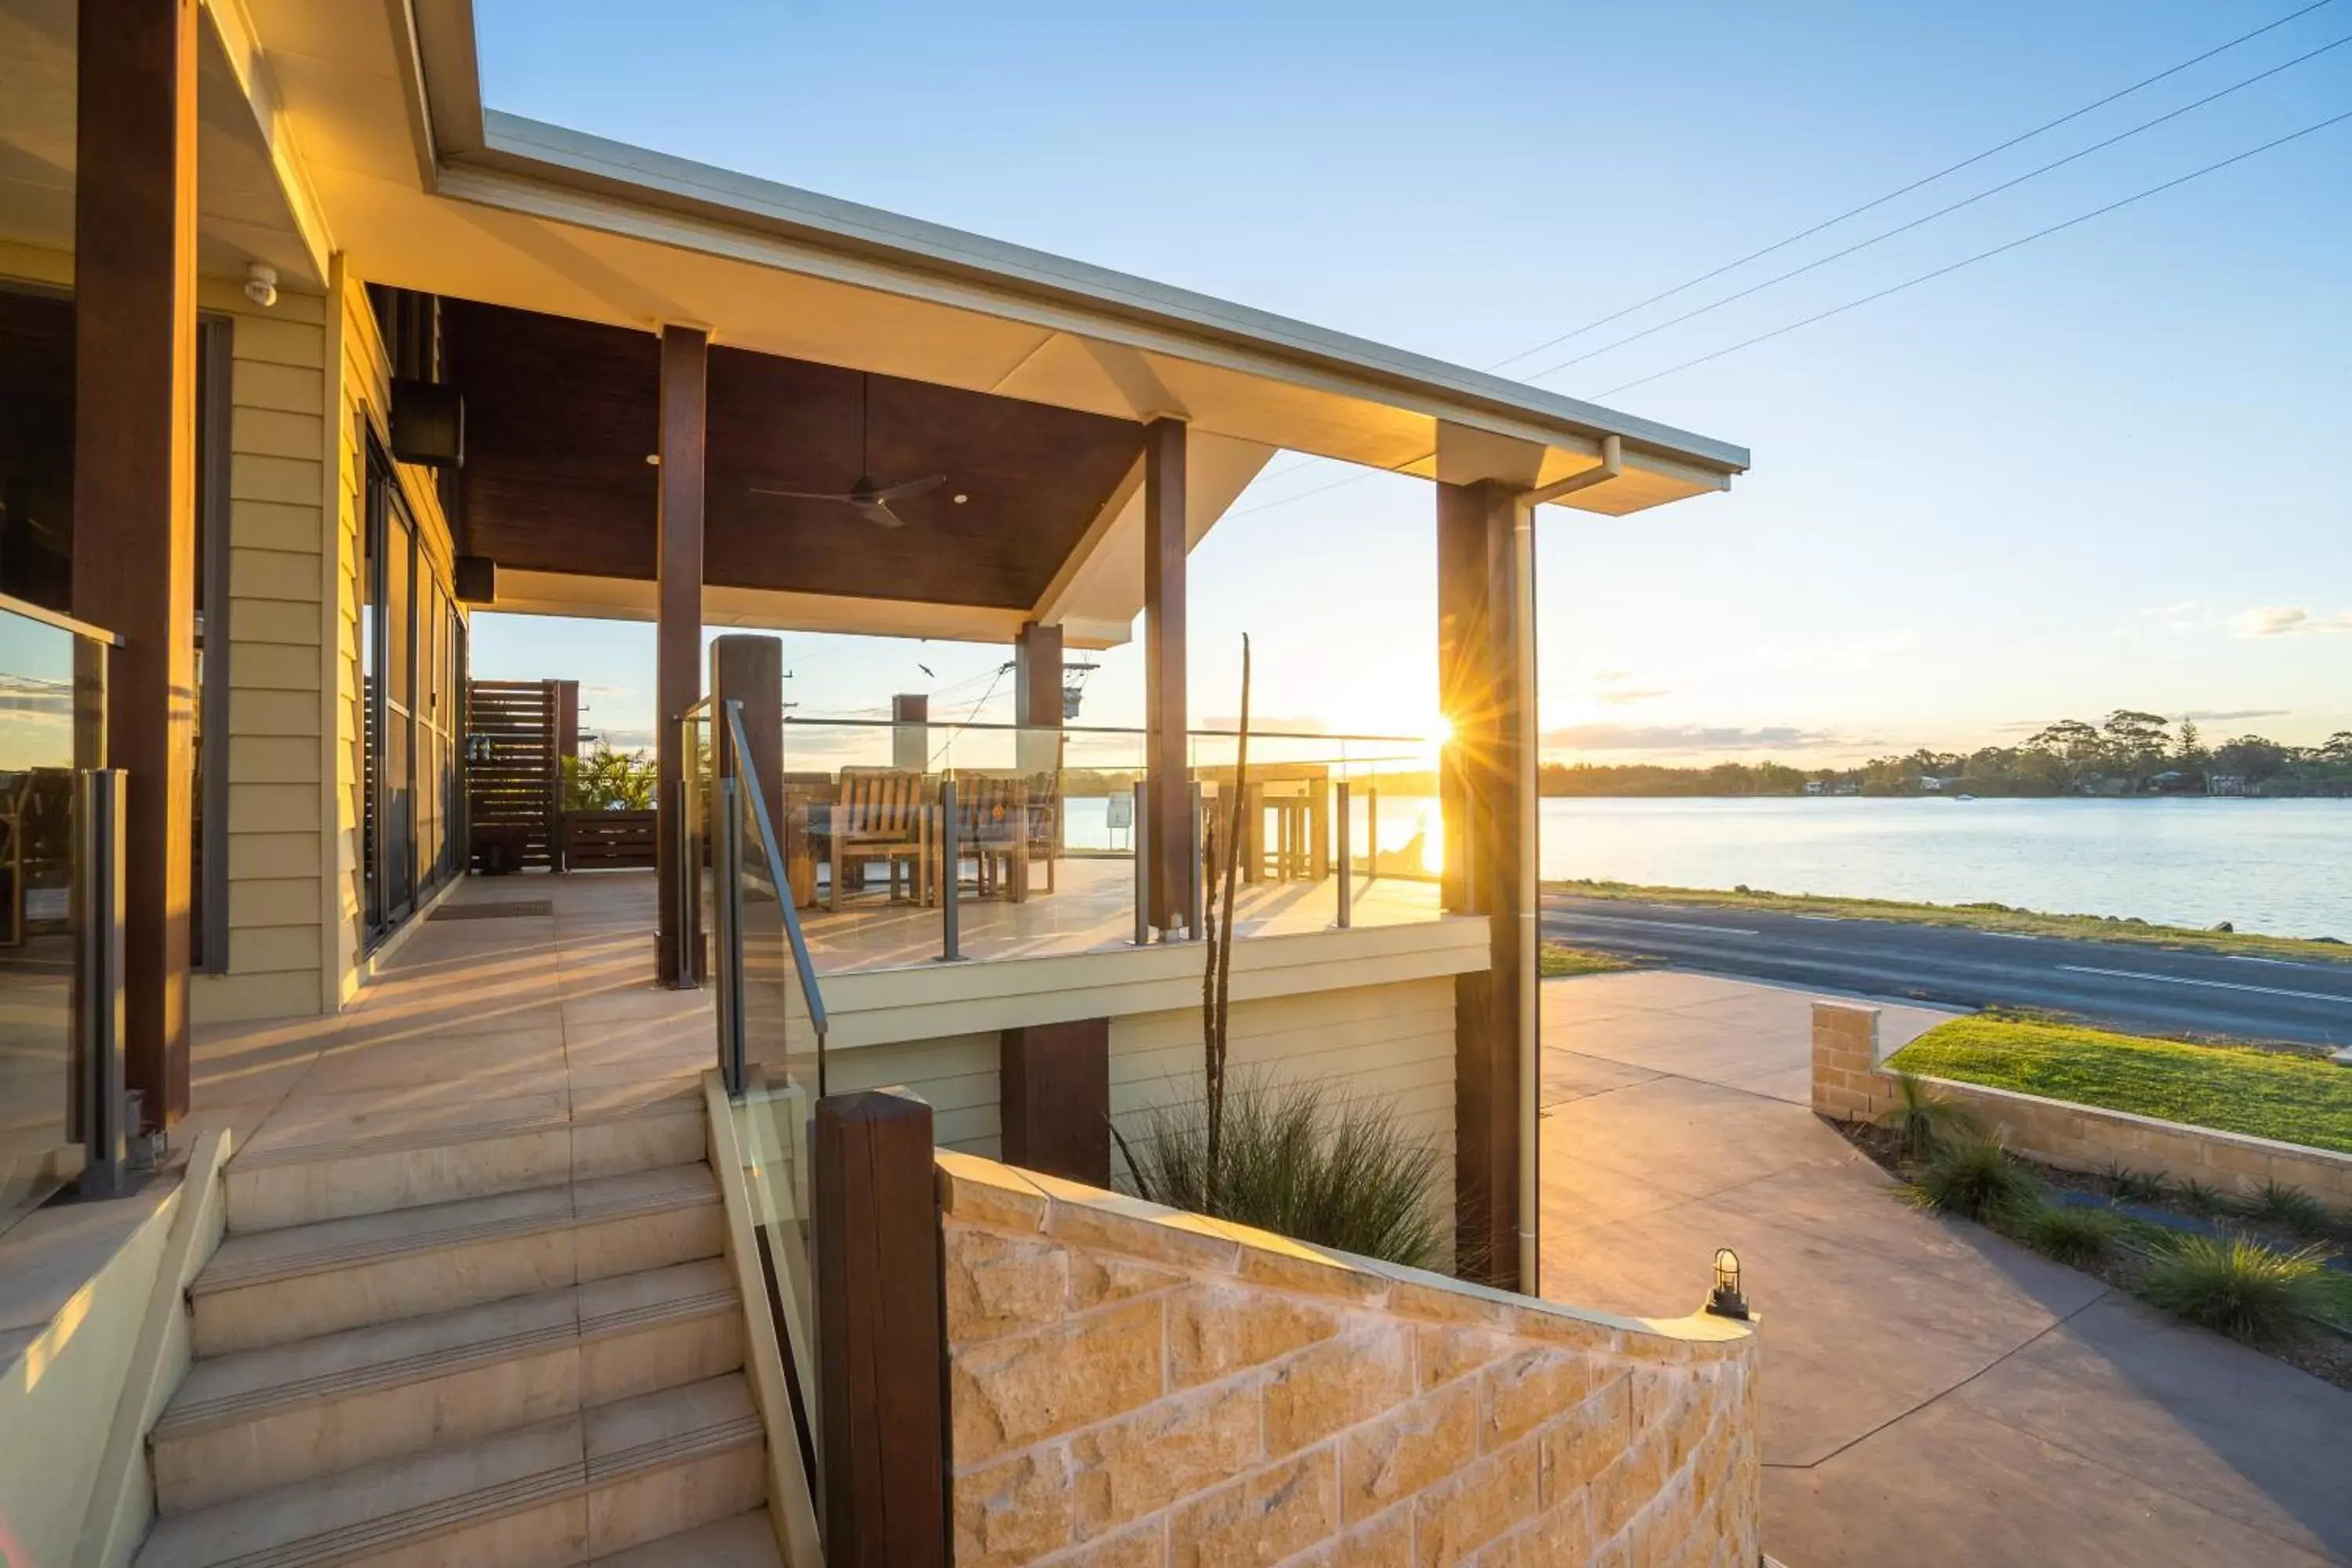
(510, 1342)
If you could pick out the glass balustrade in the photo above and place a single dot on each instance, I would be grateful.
(52, 728)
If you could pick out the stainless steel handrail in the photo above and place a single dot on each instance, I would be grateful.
(791, 720)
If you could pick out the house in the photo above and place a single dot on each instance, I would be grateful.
(310, 353)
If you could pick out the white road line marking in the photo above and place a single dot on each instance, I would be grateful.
(2211, 984)
(1660, 925)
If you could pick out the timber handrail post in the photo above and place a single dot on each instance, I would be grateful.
(881, 1334)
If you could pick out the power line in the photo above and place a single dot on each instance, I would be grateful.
(1906, 190)
(1940, 212)
(1980, 256)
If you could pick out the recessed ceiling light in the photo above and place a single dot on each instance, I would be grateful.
(962, 499)
(654, 458)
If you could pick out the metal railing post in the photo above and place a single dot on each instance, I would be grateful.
(1142, 870)
(1196, 895)
(727, 909)
(950, 878)
(99, 870)
(1346, 860)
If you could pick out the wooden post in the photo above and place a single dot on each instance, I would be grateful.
(677, 648)
(1037, 697)
(1168, 825)
(910, 741)
(1486, 787)
(881, 1334)
(1053, 1086)
(565, 697)
(135, 481)
(567, 719)
(750, 669)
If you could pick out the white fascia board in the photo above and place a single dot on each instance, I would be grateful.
(907, 254)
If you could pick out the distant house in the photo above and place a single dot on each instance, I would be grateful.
(2231, 785)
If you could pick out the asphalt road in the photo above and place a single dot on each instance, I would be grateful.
(2123, 986)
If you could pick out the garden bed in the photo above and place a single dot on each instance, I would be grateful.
(2149, 1217)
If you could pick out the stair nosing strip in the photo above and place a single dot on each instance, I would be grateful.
(238, 1277)
(258, 1403)
(435, 1138)
(443, 1515)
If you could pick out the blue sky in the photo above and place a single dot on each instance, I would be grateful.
(2100, 471)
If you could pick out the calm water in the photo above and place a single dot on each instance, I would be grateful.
(2279, 866)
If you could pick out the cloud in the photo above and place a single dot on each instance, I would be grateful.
(605, 691)
(2179, 607)
(1688, 738)
(1619, 697)
(2284, 620)
(2210, 715)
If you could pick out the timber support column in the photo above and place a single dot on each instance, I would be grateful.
(678, 647)
(750, 669)
(1037, 697)
(1486, 607)
(1168, 827)
(134, 482)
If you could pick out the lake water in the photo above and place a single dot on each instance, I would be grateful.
(2282, 867)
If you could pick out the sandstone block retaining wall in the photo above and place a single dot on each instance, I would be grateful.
(1851, 1083)
(1129, 1385)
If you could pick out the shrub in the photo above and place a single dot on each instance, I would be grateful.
(1302, 1160)
(602, 778)
(2137, 1186)
(2278, 1203)
(2070, 1233)
(1977, 1179)
(1923, 1122)
(2240, 1287)
(2199, 1199)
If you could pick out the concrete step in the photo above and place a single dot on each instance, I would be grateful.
(746, 1541)
(560, 1491)
(253, 1420)
(375, 1152)
(280, 1286)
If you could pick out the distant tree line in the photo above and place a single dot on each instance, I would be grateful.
(2130, 753)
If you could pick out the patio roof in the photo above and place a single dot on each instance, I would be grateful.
(424, 187)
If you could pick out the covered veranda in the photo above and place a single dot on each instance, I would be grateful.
(610, 353)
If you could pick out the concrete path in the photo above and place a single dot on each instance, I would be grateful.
(1933, 1394)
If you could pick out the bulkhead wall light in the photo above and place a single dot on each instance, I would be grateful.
(261, 284)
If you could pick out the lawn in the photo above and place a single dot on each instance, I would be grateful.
(2234, 1088)
(1976, 917)
(1561, 961)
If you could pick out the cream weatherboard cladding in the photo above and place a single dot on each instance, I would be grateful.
(1393, 1042)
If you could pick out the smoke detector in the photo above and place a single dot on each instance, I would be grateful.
(261, 284)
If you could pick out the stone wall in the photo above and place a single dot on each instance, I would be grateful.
(1132, 1388)
(1851, 1084)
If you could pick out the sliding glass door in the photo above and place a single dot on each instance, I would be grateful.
(411, 671)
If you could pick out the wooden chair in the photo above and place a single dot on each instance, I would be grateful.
(990, 813)
(879, 813)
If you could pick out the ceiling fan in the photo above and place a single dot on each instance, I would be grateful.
(872, 500)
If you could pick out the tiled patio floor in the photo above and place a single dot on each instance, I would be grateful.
(472, 1023)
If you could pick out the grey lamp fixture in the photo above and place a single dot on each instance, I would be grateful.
(1726, 1301)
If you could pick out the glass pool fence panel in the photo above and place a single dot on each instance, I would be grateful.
(62, 1103)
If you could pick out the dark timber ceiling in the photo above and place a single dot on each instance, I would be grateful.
(560, 415)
